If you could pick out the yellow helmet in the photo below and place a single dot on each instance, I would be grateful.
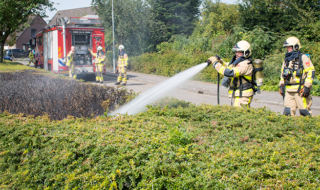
(294, 42)
(243, 46)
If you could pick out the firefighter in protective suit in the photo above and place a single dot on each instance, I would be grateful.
(297, 76)
(239, 73)
(99, 63)
(122, 64)
(70, 63)
(31, 56)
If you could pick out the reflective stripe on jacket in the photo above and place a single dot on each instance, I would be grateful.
(308, 74)
(239, 74)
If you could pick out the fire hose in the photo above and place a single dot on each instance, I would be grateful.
(218, 84)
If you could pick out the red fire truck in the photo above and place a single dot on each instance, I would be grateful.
(54, 44)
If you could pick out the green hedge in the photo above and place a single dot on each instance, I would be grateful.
(196, 147)
(170, 63)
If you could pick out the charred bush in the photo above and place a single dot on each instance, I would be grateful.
(32, 93)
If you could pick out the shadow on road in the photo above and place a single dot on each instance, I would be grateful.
(136, 84)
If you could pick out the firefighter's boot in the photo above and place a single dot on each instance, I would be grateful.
(118, 81)
(124, 81)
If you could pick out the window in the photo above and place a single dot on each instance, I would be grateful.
(33, 33)
(39, 41)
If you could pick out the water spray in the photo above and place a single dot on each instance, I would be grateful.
(139, 103)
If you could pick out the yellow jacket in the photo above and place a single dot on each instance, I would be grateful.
(100, 59)
(123, 61)
(70, 58)
(308, 74)
(241, 72)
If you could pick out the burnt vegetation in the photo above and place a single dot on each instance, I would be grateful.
(32, 93)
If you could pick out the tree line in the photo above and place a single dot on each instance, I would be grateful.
(142, 25)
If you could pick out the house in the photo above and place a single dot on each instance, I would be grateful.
(79, 12)
(36, 25)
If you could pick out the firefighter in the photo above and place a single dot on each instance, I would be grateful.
(239, 73)
(31, 56)
(70, 63)
(99, 63)
(122, 64)
(297, 76)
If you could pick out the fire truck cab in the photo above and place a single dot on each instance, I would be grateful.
(54, 43)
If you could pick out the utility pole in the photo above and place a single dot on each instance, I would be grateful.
(114, 59)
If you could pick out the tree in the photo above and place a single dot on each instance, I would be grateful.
(178, 16)
(14, 14)
(131, 20)
(278, 15)
(217, 18)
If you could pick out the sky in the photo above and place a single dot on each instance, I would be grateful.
(64, 4)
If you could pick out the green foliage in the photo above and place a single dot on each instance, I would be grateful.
(9, 66)
(217, 19)
(178, 17)
(197, 147)
(185, 45)
(169, 102)
(172, 62)
(132, 21)
(260, 39)
(15, 14)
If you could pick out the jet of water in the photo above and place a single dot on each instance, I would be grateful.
(139, 103)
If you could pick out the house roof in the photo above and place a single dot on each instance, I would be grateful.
(30, 20)
(79, 12)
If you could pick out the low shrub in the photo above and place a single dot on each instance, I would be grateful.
(32, 93)
(170, 102)
(196, 147)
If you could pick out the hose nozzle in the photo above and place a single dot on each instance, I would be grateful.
(216, 58)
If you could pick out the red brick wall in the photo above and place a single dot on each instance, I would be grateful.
(38, 24)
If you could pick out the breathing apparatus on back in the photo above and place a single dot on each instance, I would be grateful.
(257, 76)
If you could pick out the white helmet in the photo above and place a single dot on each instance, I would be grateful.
(121, 47)
(99, 48)
(294, 42)
(243, 46)
(29, 49)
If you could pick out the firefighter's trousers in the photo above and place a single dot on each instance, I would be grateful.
(72, 73)
(122, 71)
(243, 101)
(99, 71)
(293, 100)
(31, 60)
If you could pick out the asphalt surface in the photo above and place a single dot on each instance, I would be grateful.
(197, 92)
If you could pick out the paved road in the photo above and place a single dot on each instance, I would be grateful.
(189, 91)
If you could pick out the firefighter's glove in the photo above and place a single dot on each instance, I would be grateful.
(281, 90)
(226, 82)
(305, 92)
